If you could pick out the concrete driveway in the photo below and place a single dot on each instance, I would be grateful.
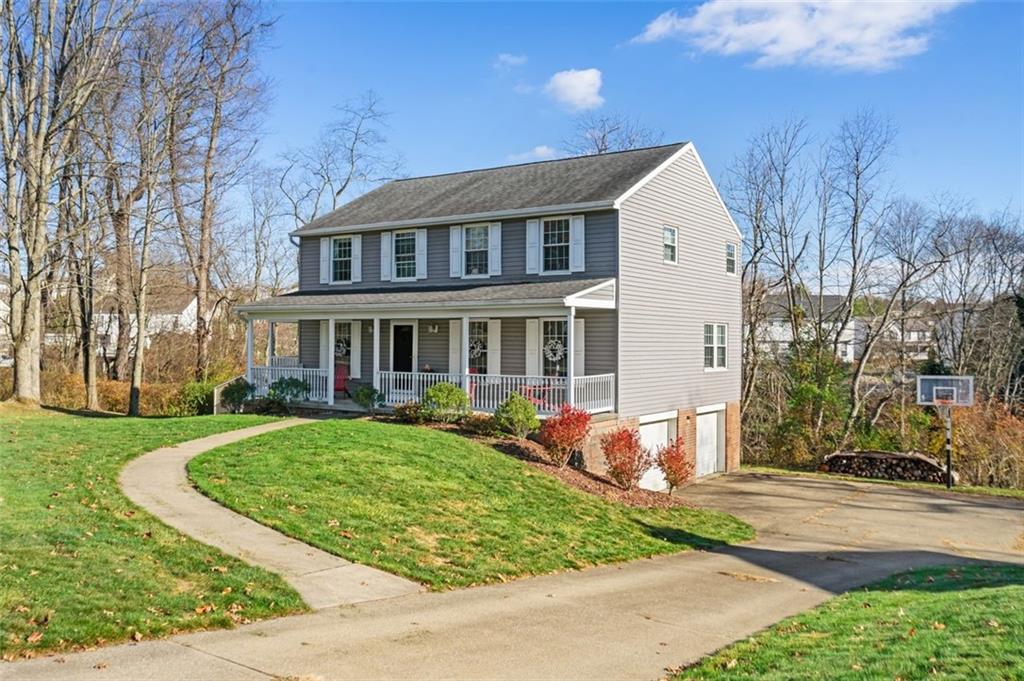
(815, 538)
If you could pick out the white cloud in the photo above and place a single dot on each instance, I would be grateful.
(538, 153)
(577, 89)
(506, 61)
(853, 35)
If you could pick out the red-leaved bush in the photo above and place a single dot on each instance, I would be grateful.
(564, 433)
(673, 462)
(627, 458)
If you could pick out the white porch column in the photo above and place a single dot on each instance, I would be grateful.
(376, 353)
(331, 330)
(464, 369)
(248, 349)
(570, 359)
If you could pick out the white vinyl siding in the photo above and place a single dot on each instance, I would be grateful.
(715, 346)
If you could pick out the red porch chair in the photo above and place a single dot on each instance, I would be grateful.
(341, 379)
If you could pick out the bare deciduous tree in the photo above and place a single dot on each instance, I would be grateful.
(604, 133)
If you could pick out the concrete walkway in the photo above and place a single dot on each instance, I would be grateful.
(816, 538)
(158, 482)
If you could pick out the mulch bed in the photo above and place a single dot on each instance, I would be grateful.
(533, 454)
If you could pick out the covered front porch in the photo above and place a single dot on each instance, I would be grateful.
(552, 352)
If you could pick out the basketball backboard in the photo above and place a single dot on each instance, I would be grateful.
(945, 391)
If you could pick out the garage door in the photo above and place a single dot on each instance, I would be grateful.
(710, 443)
(653, 436)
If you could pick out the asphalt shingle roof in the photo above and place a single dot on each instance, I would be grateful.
(426, 295)
(584, 179)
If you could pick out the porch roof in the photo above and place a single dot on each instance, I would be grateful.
(586, 293)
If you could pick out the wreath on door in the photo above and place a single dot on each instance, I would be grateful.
(554, 350)
(341, 347)
(476, 348)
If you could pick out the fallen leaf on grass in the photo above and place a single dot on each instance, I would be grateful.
(35, 637)
(205, 608)
(136, 636)
(938, 626)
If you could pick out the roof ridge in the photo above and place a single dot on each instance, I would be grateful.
(547, 160)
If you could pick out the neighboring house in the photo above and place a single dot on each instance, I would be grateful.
(166, 312)
(6, 344)
(609, 282)
(776, 332)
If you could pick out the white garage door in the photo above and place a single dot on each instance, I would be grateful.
(710, 443)
(653, 436)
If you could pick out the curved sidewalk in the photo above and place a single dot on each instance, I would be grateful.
(158, 482)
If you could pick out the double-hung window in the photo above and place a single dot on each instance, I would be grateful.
(476, 242)
(555, 253)
(715, 351)
(341, 258)
(478, 347)
(730, 258)
(669, 239)
(405, 255)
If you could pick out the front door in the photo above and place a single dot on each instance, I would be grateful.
(401, 348)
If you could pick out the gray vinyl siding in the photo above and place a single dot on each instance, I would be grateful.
(600, 257)
(600, 341)
(433, 347)
(309, 343)
(663, 306)
(513, 346)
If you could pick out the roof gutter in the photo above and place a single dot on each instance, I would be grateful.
(452, 219)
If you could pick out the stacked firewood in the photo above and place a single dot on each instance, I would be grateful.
(886, 465)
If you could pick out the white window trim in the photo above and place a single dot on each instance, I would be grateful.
(554, 273)
(351, 259)
(735, 258)
(394, 255)
(415, 324)
(675, 230)
(715, 345)
(487, 250)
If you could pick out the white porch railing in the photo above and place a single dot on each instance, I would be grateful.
(487, 391)
(399, 387)
(595, 393)
(316, 379)
(284, 361)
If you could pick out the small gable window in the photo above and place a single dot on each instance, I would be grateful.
(669, 238)
(730, 258)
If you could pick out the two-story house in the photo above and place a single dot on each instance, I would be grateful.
(610, 282)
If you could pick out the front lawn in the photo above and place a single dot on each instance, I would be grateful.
(1008, 492)
(81, 565)
(435, 507)
(962, 623)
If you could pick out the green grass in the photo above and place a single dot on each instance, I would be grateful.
(435, 507)
(80, 565)
(1008, 492)
(962, 623)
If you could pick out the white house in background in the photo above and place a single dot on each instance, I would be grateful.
(167, 312)
(608, 282)
(6, 346)
(776, 333)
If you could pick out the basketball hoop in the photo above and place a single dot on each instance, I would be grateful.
(944, 393)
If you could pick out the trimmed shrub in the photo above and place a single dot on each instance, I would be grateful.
(288, 390)
(194, 398)
(409, 412)
(517, 416)
(676, 466)
(369, 398)
(565, 433)
(480, 424)
(626, 456)
(445, 402)
(236, 394)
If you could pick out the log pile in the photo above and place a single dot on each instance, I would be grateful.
(862, 463)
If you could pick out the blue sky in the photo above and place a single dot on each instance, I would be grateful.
(951, 77)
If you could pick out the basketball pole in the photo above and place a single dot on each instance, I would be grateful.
(948, 413)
